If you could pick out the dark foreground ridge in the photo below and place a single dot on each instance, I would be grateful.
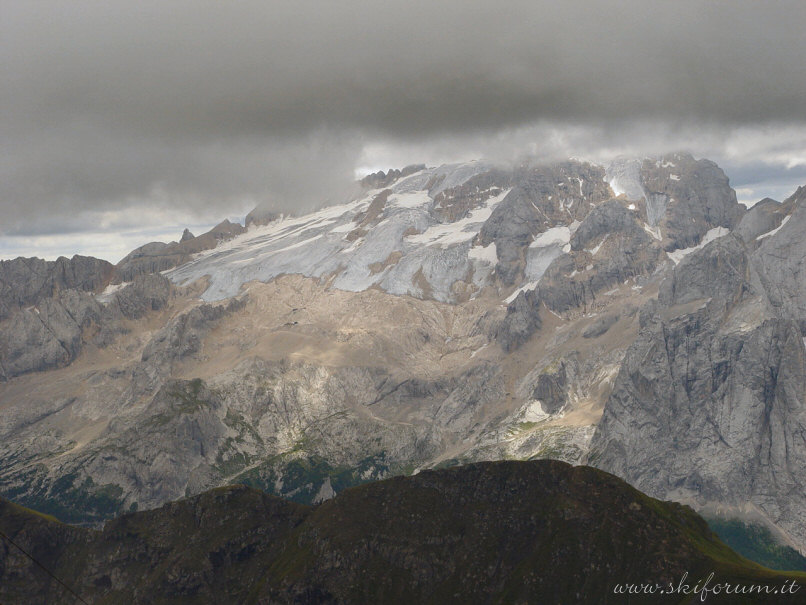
(510, 532)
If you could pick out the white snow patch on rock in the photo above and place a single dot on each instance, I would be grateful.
(409, 200)
(524, 288)
(485, 254)
(555, 235)
(777, 229)
(711, 235)
(653, 231)
(624, 177)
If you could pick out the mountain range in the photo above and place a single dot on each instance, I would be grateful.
(634, 317)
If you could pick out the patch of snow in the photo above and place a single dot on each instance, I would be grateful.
(448, 176)
(674, 177)
(532, 412)
(109, 292)
(415, 199)
(593, 251)
(653, 231)
(777, 229)
(481, 348)
(326, 492)
(447, 234)
(293, 246)
(524, 288)
(344, 228)
(556, 235)
(631, 207)
(711, 235)
(485, 254)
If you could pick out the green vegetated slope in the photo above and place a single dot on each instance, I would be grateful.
(499, 532)
(757, 543)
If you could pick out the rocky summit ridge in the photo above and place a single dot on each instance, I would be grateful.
(635, 316)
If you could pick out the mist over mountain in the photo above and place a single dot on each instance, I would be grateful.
(122, 118)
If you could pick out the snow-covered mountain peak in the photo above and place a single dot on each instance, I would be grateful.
(447, 232)
(390, 238)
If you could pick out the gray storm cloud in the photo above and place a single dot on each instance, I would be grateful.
(199, 104)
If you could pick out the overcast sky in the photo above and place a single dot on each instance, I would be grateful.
(126, 121)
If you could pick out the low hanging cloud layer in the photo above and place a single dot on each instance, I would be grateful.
(210, 108)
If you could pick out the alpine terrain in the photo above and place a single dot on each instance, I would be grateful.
(633, 317)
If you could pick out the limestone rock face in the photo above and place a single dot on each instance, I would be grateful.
(670, 205)
(25, 281)
(149, 292)
(626, 252)
(447, 315)
(49, 335)
(762, 218)
(54, 332)
(708, 406)
(182, 336)
(158, 256)
(608, 249)
(542, 198)
(696, 196)
(261, 216)
(600, 326)
(781, 259)
(721, 271)
(149, 258)
(521, 322)
(381, 179)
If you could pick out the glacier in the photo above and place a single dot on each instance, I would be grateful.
(408, 251)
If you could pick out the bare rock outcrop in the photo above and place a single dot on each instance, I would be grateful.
(159, 256)
(148, 292)
(695, 196)
(708, 405)
(49, 335)
(26, 281)
(542, 197)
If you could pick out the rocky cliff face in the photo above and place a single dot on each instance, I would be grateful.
(52, 333)
(665, 208)
(709, 405)
(532, 532)
(158, 256)
(695, 197)
(26, 281)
